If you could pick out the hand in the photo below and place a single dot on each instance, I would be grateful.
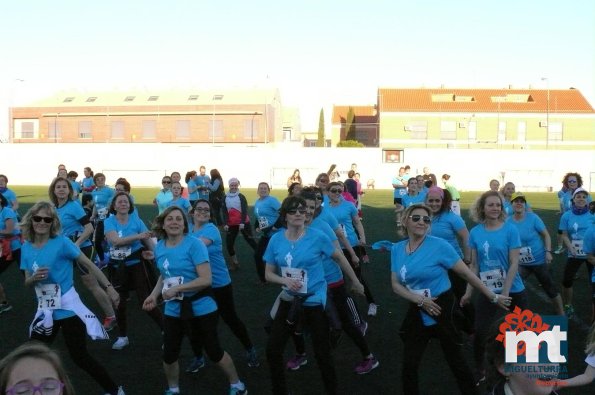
(241, 226)
(114, 296)
(144, 235)
(504, 302)
(431, 307)
(225, 228)
(465, 299)
(293, 284)
(354, 260)
(169, 293)
(41, 274)
(148, 255)
(362, 242)
(357, 288)
(150, 303)
(548, 257)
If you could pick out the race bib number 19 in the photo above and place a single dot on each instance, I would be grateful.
(493, 279)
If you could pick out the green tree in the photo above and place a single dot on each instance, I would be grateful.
(350, 125)
(320, 140)
(350, 144)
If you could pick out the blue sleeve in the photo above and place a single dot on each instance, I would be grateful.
(199, 252)
(514, 238)
(589, 241)
(564, 221)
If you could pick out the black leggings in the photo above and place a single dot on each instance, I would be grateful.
(75, 338)
(315, 319)
(261, 247)
(232, 234)
(98, 239)
(359, 251)
(16, 257)
(202, 330)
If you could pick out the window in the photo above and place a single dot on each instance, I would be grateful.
(472, 130)
(362, 136)
(555, 131)
(91, 99)
(85, 130)
(392, 155)
(54, 129)
(27, 130)
(418, 129)
(193, 98)
(448, 130)
(129, 98)
(216, 129)
(68, 99)
(183, 129)
(149, 129)
(501, 131)
(521, 131)
(117, 129)
(153, 98)
(250, 128)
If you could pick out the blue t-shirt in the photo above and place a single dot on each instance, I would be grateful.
(71, 213)
(87, 182)
(589, 246)
(7, 213)
(532, 247)
(447, 226)
(575, 227)
(344, 212)
(10, 196)
(566, 200)
(332, 271)
(102, 198)
(401, 189)
(181, 261)
(202, 181)
(134, 226)
(492, 248)
(219, 271)
(408, 200)
(57, 255)
(76, 187)
(162, 199)
(425, 271)
(266, 211)
(182, 203)
(191, 185)
(305, 254)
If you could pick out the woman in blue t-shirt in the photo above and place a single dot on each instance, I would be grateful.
(294, 260)
(266, 211)
(185, 285)
(46, 260)
(495, 247)
(10, 245)
(126, 235)
(419, 274)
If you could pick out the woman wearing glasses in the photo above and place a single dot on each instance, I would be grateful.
(185, 285)
(126, 235)
(570, 183)
(33, 367)
(164, 196)
(495, 246)
(419, 266)
(46, 260)
(346, 214)
(293, 260)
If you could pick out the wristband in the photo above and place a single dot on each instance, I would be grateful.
(495, 299)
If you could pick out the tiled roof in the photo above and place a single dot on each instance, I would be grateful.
(482, 100)
(362, 113)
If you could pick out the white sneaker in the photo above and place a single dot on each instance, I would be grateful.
(372, 309)
(120, 344)
(120, 391)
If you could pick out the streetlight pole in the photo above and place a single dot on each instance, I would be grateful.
(547, 113)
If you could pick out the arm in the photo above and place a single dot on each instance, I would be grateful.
(203, 281)
(547, 242)
(568, 243)
(582, 379)
(9, 227)
(347, 269)
(270, 274)
(360, 229)
(98, 274)
(463, 236)
(513, 268)
(151, 301)
(426, 304)
(466, 274)
(474, 268)
(345, 243)
(87, 232)
(113, 238)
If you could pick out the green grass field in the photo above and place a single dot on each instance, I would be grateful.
(138, 367)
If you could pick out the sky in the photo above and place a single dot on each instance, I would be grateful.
(317, 53)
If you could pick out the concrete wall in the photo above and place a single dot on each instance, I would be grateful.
(144, 164)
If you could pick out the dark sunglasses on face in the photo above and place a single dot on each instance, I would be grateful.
(39, 218)
(335, 190)
(417, 217)
(571, 181)
(301, 211)
(166, 182)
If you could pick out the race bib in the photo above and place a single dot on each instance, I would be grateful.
(171, 282)
(300, 274)
(263, 222)
(102, 212)
(526, 255)
(578, 247)
(120, 253)
(425, 292)
(49, 296)
(493, 279)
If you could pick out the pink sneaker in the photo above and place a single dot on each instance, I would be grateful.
(297, 362)
(367, 365)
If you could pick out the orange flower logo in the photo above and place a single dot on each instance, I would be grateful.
(520, 321)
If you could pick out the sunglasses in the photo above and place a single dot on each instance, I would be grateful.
(202, 210)
(296, 211)
(39, 218)
(571, 181)
(335, 190)
(434, 200)
(416, 217)
(166, 182)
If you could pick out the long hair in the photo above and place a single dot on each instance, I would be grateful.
(579, 179)
(407, 213)
(52, 194)
(288, 204)
(27, 222)
(159, 221)
(37, 350)
(477, 211)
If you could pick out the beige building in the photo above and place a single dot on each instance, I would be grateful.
(194, 116)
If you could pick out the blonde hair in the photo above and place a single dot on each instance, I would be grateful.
(477, 211)
(407, 213)
(27, 222)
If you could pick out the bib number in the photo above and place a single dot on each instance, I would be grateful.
(102, 213)
(297, 273)
(120, 253)
(425, 292)
(578, 247)
(49, 296)
(493, 279)
(263, 222)
(172, 282)
(526, 255)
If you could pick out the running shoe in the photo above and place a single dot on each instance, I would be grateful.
(196, 364)
(372, 309)
(479, 377)
(170, 392)
(120, 391)
(109, 323)
(252, 358)
(367, 365)
(236, 391)
(559, 250)
(121, 343)
(4, 307)
(297, 362)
